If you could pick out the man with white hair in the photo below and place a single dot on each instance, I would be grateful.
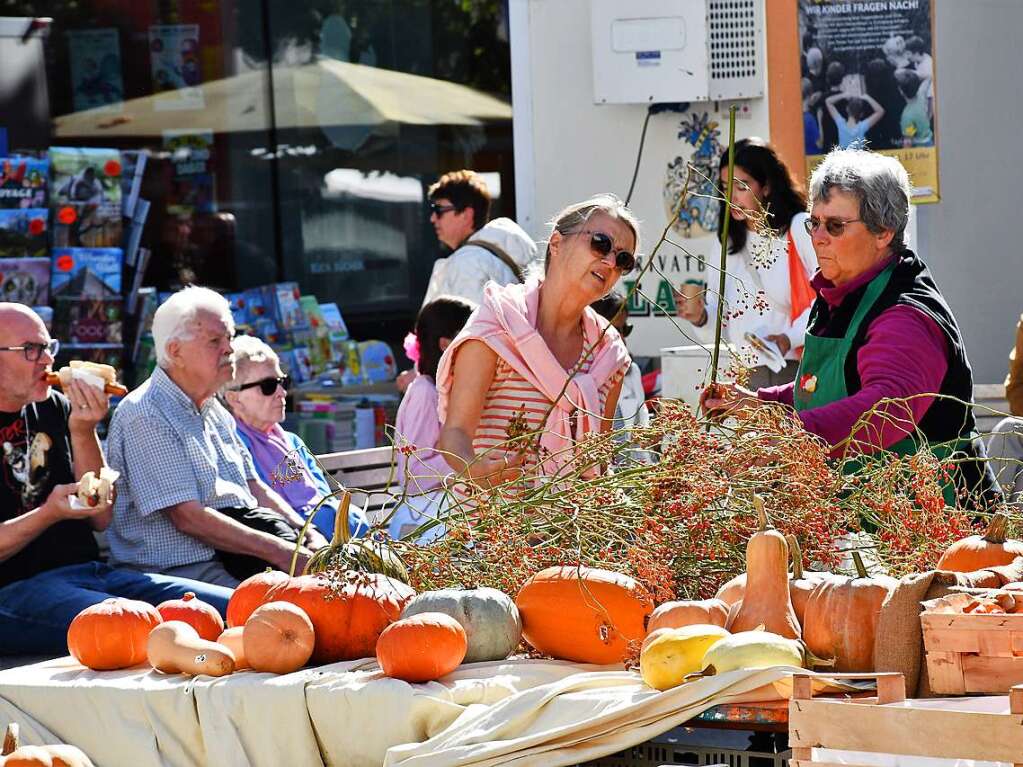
(49, 559)
(190, 501)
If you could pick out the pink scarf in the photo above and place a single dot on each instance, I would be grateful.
(506, 322)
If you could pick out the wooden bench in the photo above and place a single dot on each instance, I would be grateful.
(367, 471)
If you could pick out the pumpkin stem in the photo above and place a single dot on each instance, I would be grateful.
(765, 521)
(996, 530)
(861, 569)
(10, 739)
(341, 531)
(797, 557)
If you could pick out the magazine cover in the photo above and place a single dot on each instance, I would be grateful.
(23, 182)
(133, 169)
(87, 272)
(95, 56)
(23, 232)
(88, 320)
(174, 61)
(85, 186)
(283, 300)
(25, 280)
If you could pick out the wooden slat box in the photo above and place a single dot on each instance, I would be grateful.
(988, 729)
(971, 653)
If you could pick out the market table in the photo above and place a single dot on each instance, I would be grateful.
(515, 712)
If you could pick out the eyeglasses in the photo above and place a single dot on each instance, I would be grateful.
(440, 210)
(267, 386)
(33, 351)
(602, 245)
(835, 226)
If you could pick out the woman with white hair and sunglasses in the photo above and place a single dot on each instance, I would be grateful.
(535, 358)
(256, 397)
(881, 340)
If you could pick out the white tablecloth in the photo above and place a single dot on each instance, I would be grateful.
(516, 712)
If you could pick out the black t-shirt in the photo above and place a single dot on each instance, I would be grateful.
(36, 455)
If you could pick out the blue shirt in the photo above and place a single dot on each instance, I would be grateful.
(169, 452)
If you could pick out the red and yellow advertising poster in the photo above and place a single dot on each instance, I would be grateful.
(868, 80)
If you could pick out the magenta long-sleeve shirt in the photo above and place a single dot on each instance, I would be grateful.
(905, 354)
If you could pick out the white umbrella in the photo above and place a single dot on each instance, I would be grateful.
(324, 93)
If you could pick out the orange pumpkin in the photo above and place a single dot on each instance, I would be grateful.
(732, 591)
(675, 615)
(422, 648)
(251, 593)
(976, 552)
(278, 638)
(202, 616)
(112, 634)
(803, 582)
(766, 602)
(583, 614)
(841, 618)
(347, 615)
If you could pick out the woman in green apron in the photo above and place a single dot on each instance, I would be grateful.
(879, 330)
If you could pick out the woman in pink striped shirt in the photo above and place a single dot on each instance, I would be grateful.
(536, 359)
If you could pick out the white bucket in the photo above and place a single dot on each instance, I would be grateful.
(685, 370)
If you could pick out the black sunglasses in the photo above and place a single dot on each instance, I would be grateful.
(268, 386)
(440, 210)
(602, 245)
(626, 330)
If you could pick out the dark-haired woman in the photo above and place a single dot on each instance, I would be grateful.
(420, 468)
(775, 266)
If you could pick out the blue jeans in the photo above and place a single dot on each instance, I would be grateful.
(35, 612)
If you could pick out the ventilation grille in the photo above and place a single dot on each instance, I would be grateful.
(733, 39)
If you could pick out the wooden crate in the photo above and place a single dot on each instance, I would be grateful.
(983, 729)
(969, 653)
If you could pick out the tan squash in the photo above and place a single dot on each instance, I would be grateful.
(234, 641)
(841, 618)
(675, 615)
(766, 602)
(13, 754)
(174, 647)
(278, 638)
(732, 591)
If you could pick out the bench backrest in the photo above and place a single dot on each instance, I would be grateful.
(366, 470)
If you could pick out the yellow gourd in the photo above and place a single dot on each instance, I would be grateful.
(674, 653)
(766, 602)
(175, 647)
(756, 649)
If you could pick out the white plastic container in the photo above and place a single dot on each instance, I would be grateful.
(685, 370)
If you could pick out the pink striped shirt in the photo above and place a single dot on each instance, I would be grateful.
(511, 396)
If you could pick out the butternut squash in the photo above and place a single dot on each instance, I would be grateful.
(766, 602)
(175, 647)
(232, 639)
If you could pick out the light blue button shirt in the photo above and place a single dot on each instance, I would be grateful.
(169, 452)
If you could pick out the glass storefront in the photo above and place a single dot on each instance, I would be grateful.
(288, 140)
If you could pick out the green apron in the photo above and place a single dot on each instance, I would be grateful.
(822, 371)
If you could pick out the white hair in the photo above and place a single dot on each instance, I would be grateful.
(175, 319)
(249, 351)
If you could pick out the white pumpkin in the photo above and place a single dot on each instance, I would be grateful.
(490, 618)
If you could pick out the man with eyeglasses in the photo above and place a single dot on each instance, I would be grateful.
(49, 558)
(191, 502)
(496, 251)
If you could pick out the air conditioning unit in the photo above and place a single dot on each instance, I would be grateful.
(654, 51)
